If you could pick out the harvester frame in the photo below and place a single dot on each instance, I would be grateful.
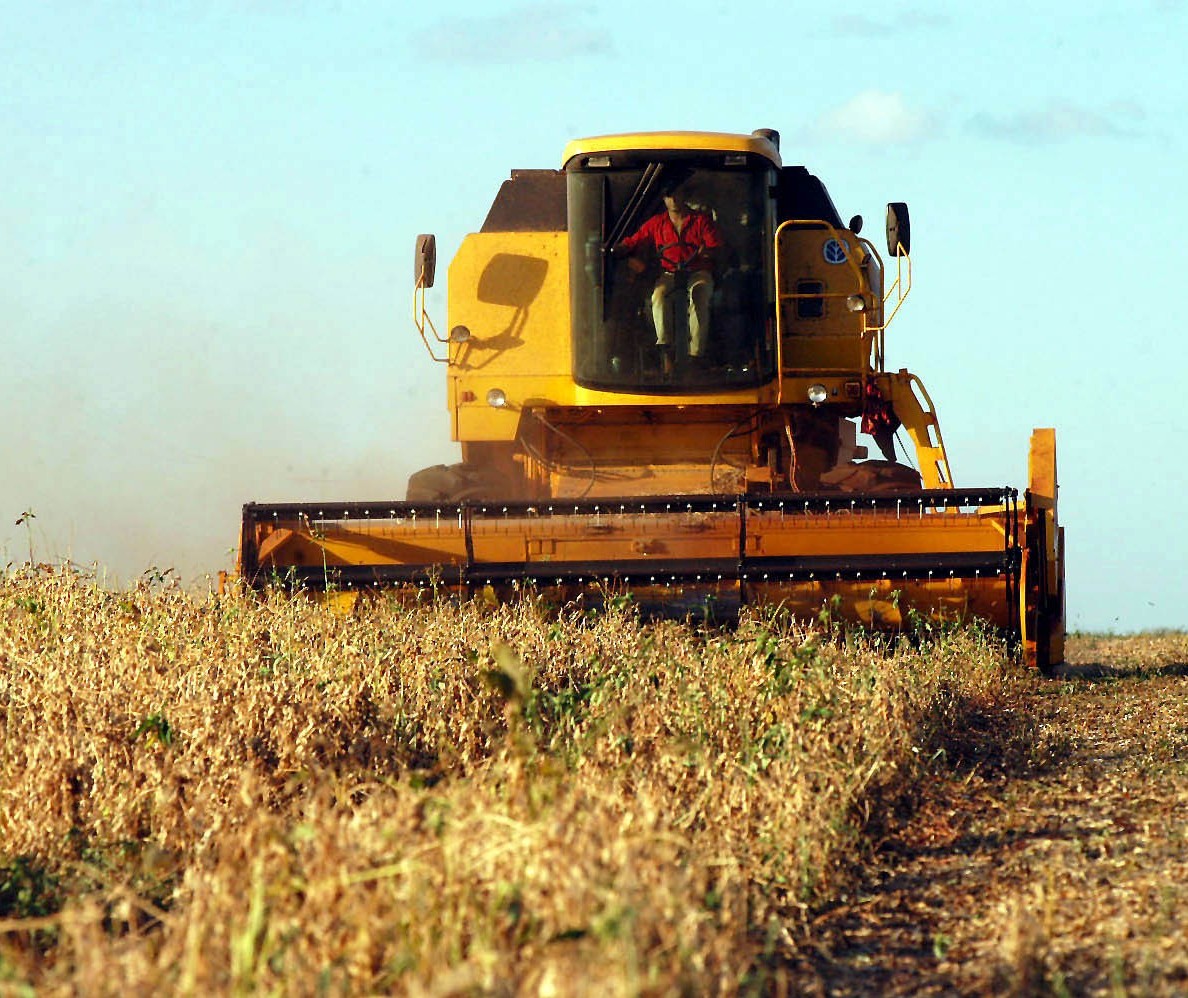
(703, 483)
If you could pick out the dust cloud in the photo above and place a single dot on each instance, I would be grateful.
(135, 451)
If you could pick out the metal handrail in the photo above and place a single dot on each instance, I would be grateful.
(835, 233)
(422, 320)
(898, 286)
(943, 462)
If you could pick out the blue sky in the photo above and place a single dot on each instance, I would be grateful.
(209, 212)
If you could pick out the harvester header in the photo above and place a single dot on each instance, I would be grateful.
(665, 367)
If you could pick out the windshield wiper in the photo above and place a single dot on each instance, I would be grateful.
(639, 196)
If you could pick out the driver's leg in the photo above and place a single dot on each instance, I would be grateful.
(701, 287)
(660, 295)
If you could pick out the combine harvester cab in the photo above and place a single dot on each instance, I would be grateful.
(659, 361)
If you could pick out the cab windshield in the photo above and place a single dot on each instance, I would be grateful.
(670, 273)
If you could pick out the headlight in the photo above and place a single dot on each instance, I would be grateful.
(856, 303)
(817, 394)
(459, 334)
(496, 398)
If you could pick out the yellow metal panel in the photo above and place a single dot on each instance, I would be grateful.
(921, 424)
(871, 533)
(662, 141)
(475, 419)
(511, 291)
(1041, 466)
(1042, 600)
(632, 537)
(547, 538)
(837, 339)
(479, 421)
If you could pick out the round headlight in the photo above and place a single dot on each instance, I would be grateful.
(459, 334)
(496, 398)
(817, 394)
(856, 303)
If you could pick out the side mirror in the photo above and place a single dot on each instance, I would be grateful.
(856, 224)
(899, 229)
(426, 262)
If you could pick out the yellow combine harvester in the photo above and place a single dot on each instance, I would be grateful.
(659, 359)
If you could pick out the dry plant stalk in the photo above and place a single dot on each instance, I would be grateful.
(210, 795)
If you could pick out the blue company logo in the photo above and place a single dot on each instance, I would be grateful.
(835, 251)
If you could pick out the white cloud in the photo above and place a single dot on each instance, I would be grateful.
(865, 26)
(857, 26)
(874, 117)
(539, 32)
(1057, 121)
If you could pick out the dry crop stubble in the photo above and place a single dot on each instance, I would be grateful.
(238, 794)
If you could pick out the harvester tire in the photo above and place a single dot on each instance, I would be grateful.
(453, 483)
(871, 476)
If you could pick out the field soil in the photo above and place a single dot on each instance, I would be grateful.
(1050, 858)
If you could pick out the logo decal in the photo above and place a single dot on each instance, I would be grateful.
(835, 251)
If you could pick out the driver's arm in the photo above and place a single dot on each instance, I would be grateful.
(645, 234)
(712, 246)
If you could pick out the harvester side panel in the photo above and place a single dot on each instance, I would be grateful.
(510, 292)
(818, 268)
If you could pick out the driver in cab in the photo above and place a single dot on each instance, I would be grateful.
(684, 241)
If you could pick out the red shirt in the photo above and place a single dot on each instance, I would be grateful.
(676, 249)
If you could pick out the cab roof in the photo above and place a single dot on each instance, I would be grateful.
(672, 141)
